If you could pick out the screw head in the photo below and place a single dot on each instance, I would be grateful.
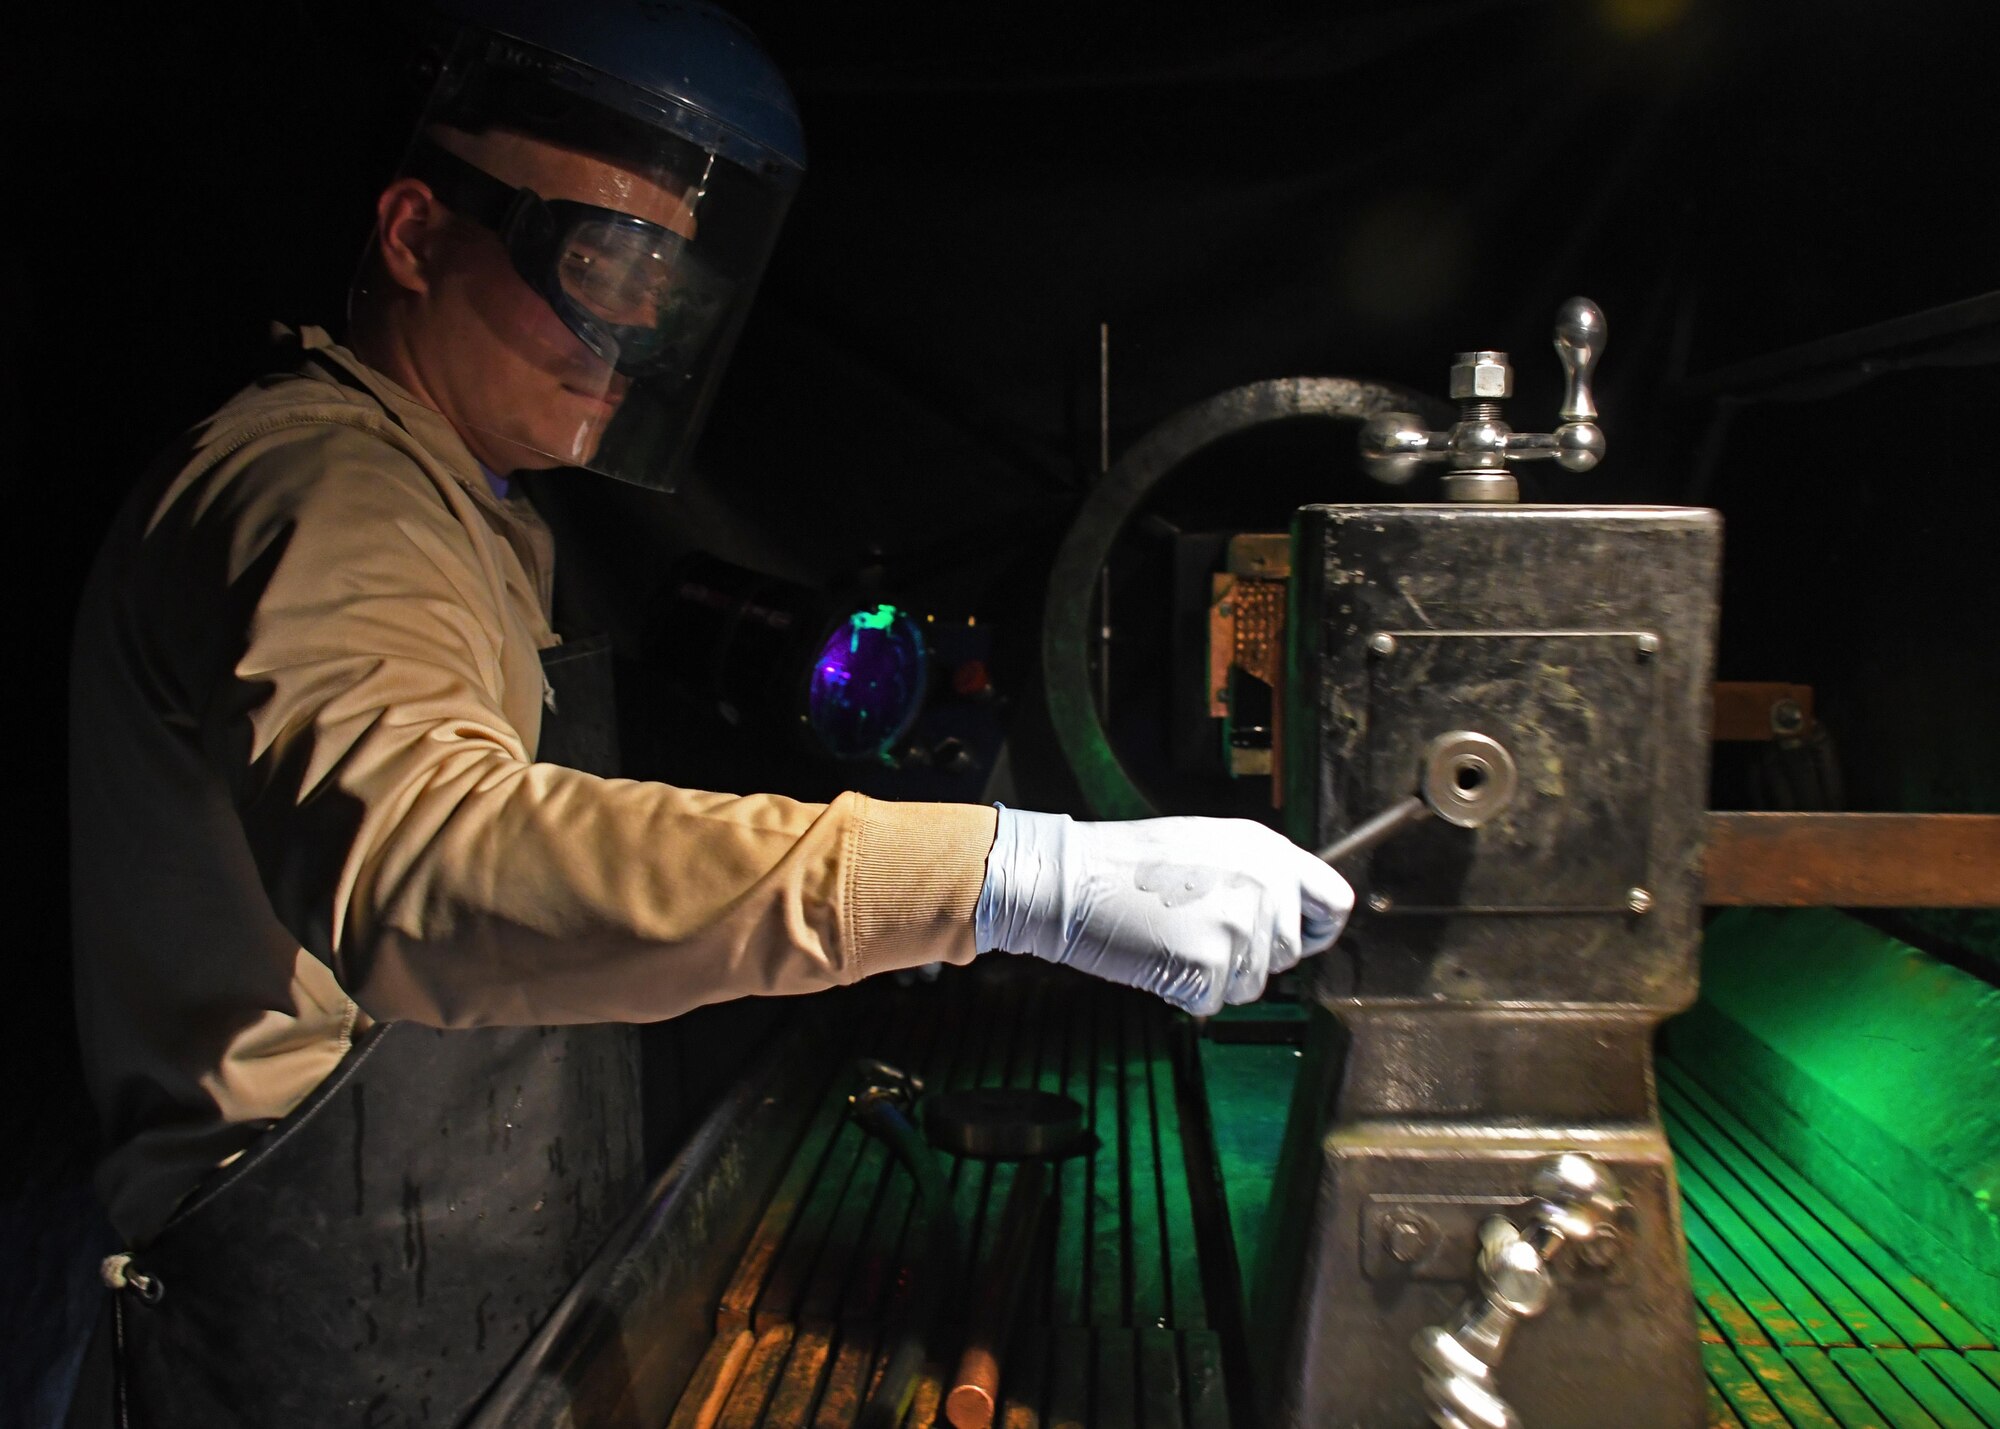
(1382, 643)
(1601, 1249)
(1408, 1236)
(1787, 718)
(1379, 903)
(1639, 901)
(1649, 645)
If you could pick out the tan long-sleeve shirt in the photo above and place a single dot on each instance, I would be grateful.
(306, 695)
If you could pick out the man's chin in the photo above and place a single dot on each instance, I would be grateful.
(566, 432)
(571, 447)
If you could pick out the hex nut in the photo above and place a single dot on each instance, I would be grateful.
(1379, 903)
(1639, 901)
(1481, 377)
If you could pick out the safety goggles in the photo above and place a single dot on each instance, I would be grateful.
(633, 292)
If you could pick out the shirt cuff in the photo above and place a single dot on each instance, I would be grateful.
(913, 883)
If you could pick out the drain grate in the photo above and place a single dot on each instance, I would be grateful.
(1805, 1319)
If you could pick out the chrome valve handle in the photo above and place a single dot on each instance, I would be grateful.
(1579, 343)
(1577, 1201)
(1479, 445)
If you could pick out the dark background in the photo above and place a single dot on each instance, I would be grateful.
(1353, 189)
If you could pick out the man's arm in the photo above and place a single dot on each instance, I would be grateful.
(352, 700)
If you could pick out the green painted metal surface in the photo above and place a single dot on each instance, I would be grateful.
(1249, 1087)
(1872, 1067)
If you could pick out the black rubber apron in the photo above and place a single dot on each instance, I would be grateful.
(380, 1255)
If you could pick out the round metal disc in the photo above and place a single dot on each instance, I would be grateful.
(1469, 778)
(1003, 1123)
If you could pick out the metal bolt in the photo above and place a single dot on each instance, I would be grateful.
(1639, 900)
(1408, 1236)
(1382, 643)
(1787, 717)
(1379, 903)
(1602, 1248)
(1649, 645)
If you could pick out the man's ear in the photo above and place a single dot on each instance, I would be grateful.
(409, 223)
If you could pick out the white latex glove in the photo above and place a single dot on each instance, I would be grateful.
(1199, 911)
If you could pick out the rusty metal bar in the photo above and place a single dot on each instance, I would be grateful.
(1760, 710)
(1853, 860)
(975, 1392)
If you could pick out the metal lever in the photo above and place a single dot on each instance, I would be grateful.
(1577, 1201)
(1479, 445)
(1579, 343)
(1468, 779)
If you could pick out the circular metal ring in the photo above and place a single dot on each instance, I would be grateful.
(1004, 1123)
(1469, 778)
(1108, 788)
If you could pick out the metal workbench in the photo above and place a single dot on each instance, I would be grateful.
(808, 1255)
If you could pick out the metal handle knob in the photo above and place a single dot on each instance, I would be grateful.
(1579, 343)
(1580, 335)
(1479, 445)
(1393, 446)
(1577, 1202)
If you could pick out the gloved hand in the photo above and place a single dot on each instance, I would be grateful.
(1199, 911)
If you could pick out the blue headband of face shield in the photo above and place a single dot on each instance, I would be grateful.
(632, 291)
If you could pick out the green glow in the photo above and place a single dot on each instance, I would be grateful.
(1871, 1067)
(880, 618)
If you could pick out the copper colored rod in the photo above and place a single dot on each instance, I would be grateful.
(975, 1391)
(1853, 861)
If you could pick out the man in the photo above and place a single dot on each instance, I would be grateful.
(356, 952)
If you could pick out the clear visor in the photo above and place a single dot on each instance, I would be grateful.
(630, 236)
(641, 282)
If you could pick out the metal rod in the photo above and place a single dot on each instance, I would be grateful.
(1364, 836)
(1852, 860)
(890, 1402)
(975, 1393)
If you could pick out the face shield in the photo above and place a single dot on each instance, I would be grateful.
(642, 230)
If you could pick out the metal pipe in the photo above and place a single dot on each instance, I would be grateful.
(889, 1403)
(975, 1391)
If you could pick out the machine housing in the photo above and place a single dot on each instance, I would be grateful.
(1493, 1003)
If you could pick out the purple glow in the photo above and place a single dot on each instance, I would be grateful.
(867, 683)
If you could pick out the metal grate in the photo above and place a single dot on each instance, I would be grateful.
(1113, 1328)
(1805, 1319)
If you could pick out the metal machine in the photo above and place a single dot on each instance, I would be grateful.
(1483, 1148)
(1495, 718)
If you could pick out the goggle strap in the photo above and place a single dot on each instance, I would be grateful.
(464, 187)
